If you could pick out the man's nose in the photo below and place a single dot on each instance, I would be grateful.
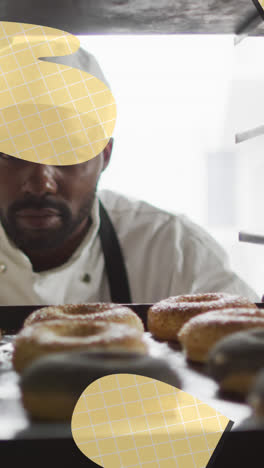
(40, 180)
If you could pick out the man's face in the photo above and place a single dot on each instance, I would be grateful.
(42, 206)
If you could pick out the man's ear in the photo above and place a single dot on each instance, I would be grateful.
(107, 153)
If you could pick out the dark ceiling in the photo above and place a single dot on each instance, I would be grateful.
(133, 16)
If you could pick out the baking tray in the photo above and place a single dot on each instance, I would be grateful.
(15, 426)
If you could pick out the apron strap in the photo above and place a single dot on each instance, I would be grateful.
(114, 261)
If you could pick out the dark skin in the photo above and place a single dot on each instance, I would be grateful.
(45, 210)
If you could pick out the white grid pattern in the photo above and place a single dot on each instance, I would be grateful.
(117, 384)
(131, 431)
(109, 420)
(37, 63)
(61, 75)
(69, 105)
(91, 425)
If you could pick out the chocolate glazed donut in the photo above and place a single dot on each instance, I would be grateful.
(256, 397)
(236, 359)
(52, 385)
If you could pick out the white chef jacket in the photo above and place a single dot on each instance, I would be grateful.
(165, 254)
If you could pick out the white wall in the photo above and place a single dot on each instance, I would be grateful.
(179, 100)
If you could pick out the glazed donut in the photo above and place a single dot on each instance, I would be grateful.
(236, 359)
(39, 339)
(107, 312)
(201, 333)
(256, 396)
(165, 318)
(52, 385)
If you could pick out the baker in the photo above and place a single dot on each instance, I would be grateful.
(62, 241)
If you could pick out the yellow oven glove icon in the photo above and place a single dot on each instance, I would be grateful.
(49, 113)
(126, 420)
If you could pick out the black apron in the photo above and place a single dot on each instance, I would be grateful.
(114, 261)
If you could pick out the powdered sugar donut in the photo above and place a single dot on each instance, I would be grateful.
(166, 317)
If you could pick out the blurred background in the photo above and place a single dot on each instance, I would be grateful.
(180, 101)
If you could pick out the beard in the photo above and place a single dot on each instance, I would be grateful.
(50, 238)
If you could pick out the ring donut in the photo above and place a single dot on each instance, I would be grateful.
(201, 333)
(256, 397)
(106, 312)
(52, 384)
(236, 359)
(165, 318)
(47, 337)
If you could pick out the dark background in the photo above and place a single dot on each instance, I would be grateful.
(132, 16)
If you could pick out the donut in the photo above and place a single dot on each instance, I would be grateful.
(201, 333)
(256, 396)
(52, 384)
(46, 337)
(236, 359)
(165, 318)
(81, 312)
